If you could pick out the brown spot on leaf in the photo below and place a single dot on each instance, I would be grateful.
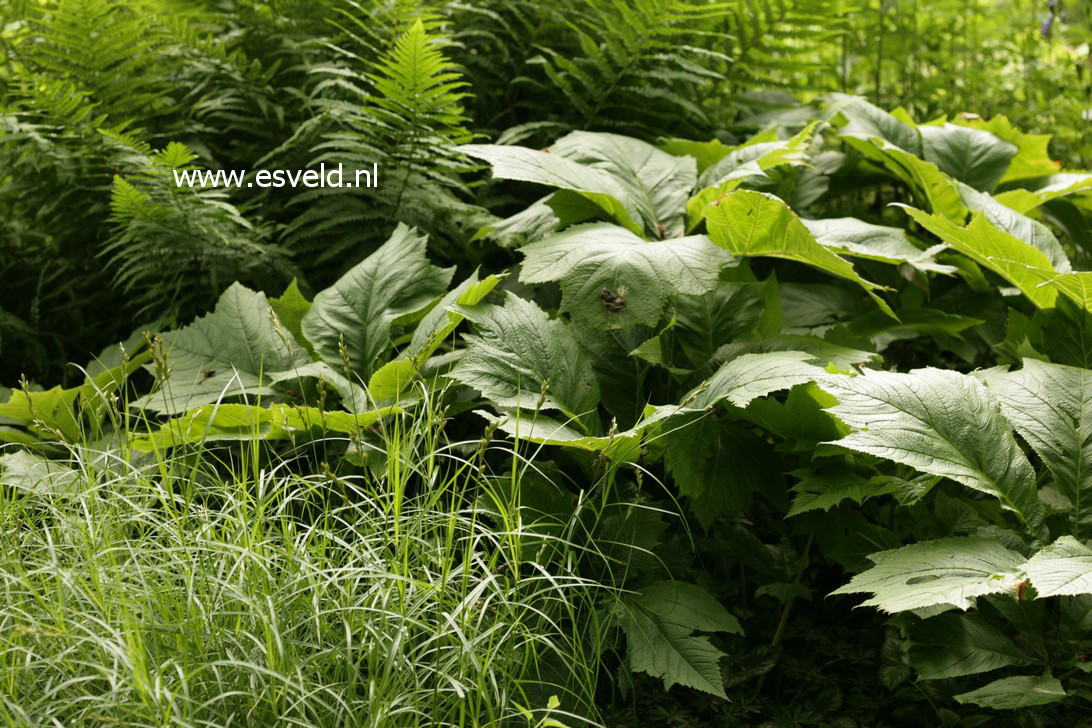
(613, 302)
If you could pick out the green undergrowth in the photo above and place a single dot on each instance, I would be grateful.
(638, 393)
(219, 586)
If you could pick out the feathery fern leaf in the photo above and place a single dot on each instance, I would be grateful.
(174, 246)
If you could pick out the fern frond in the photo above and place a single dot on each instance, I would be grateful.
(173, 247)
(114, 52)
(404, 113)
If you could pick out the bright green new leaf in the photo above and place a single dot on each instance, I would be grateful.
(939, 422)
(1011, 693)
(655, 350)
(235, 422)
(1018, 225)
(445, 317)
(1075, 286)
(544, 430)
(1064, 568)
(704, 153)
(1032, 158)
(939, 191)
(611, 278)
(291, 307)
(1023, 265)
(748, 223)
(951, 571)
(660, 623)
(757, 155)
(367, 306)
(49, 413)
(520, 357)
(1058, 185)
(70, 414)
(748, 162)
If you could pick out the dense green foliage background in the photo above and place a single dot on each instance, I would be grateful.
(673, 327)
(91, 88)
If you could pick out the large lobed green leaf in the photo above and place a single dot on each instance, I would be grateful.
(657, 183)
(241, 422)
(393, 378)
(973, 156)
(520, 357)
(738, 382)
(867, 122)
(393, 286)
(660, 622)
(1024, 265)
(530, 165)
(895, 144)
(751, 376)
(1051, 407)
(1012, 693)
(954, 645)
(1032, 159)
(939, 422)
(1018, 225)
(1063, 568)
(22, 470)
(611, 278)
(859, 239)
(949, 571)
(229, 352)
(748, 163)
(955, 571)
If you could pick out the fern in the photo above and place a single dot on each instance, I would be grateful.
(71, 68)
(789, 44)
(622, 46)
(114, 52)
(406, 116)
(52, 206)
(173, 247)
(498, 48)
